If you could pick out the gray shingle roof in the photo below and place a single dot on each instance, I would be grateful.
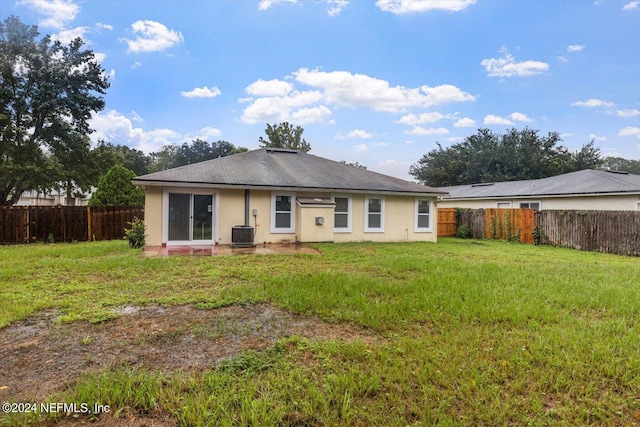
(277, 168)
(582, 182)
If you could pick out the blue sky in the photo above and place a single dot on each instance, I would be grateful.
(378, 82)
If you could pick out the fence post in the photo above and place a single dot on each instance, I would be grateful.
(89, 224)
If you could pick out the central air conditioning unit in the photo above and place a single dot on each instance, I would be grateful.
(241, 236)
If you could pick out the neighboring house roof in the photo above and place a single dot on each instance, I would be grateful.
(283, 169)
(584, 182)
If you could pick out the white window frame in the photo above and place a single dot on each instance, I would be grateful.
(417, 228)
(368, 229)
(529, 202)
(292, 225)
(503, 203)
(215, 235)
(349, 214)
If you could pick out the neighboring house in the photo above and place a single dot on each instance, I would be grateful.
(286, 196)
(50, 198)
(582, 190)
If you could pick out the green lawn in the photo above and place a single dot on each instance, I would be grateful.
(474, 333)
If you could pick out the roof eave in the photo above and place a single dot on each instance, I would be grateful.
(537, 196)
(154, 183)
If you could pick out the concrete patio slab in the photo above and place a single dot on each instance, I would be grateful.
(212, 250)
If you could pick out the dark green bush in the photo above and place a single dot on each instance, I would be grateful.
(137, 233)
(464, 232)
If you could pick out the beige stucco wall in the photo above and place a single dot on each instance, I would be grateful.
(153, 215)
(399, 222)
(399, 218)
(306, 228)
(606, 203)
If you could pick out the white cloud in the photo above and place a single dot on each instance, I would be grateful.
(360, 148)
(359, 90)
(206, 133)
(464, 122)
(420, 119)
(627, 112)
(630, 131)
(415, 6)
(104, 26)
(152, 36)
(266, 4)
(631, 5)
(202, 92)
(112, 126)
(115, 127)
(356, 133)
(575, 47)
(592, 103)
(136, 117)
(562, 58)
(282, 108)
(593, 136)
(58, 12)
(310, 115)
(336, 6)
(519, 117)
(99, 57)
(566, 135)
(67, 36)
(279, 100)
(136, 64)
(496, 120)
(506, 66)
(273, 87)
(420, 131)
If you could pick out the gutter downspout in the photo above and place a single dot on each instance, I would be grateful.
(246, 207)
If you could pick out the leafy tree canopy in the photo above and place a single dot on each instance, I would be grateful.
(491, 157)
(116, 189)
(48, 92)
(130, 158)
(283, 135)
(356, 164)
(620, 164)
(172, 156)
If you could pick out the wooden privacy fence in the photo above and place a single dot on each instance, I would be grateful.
(27, 224)
(503, 224)
(616, 232)
(447, 223)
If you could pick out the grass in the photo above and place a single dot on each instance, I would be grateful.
(475, 333)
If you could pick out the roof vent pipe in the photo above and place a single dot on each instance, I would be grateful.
(246, 207)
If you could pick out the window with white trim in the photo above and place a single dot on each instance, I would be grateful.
(374, 215)
(282, 213)
(530, 205)
(342, 214)
(504, 205)
(423, 215)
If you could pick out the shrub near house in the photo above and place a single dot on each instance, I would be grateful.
(116, 189)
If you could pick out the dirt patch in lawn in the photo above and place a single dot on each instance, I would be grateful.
(41, 356)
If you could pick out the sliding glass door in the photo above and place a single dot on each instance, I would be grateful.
(190, 217)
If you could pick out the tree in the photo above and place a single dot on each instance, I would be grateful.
(490, 157)
(284, 135)
(172, 156)
(355, 164)
(132, 159)
(116, 189)
(621, 164)
(78, 167)
(48, 92)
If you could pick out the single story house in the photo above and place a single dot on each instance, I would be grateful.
(587, 189)
(278, 195)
